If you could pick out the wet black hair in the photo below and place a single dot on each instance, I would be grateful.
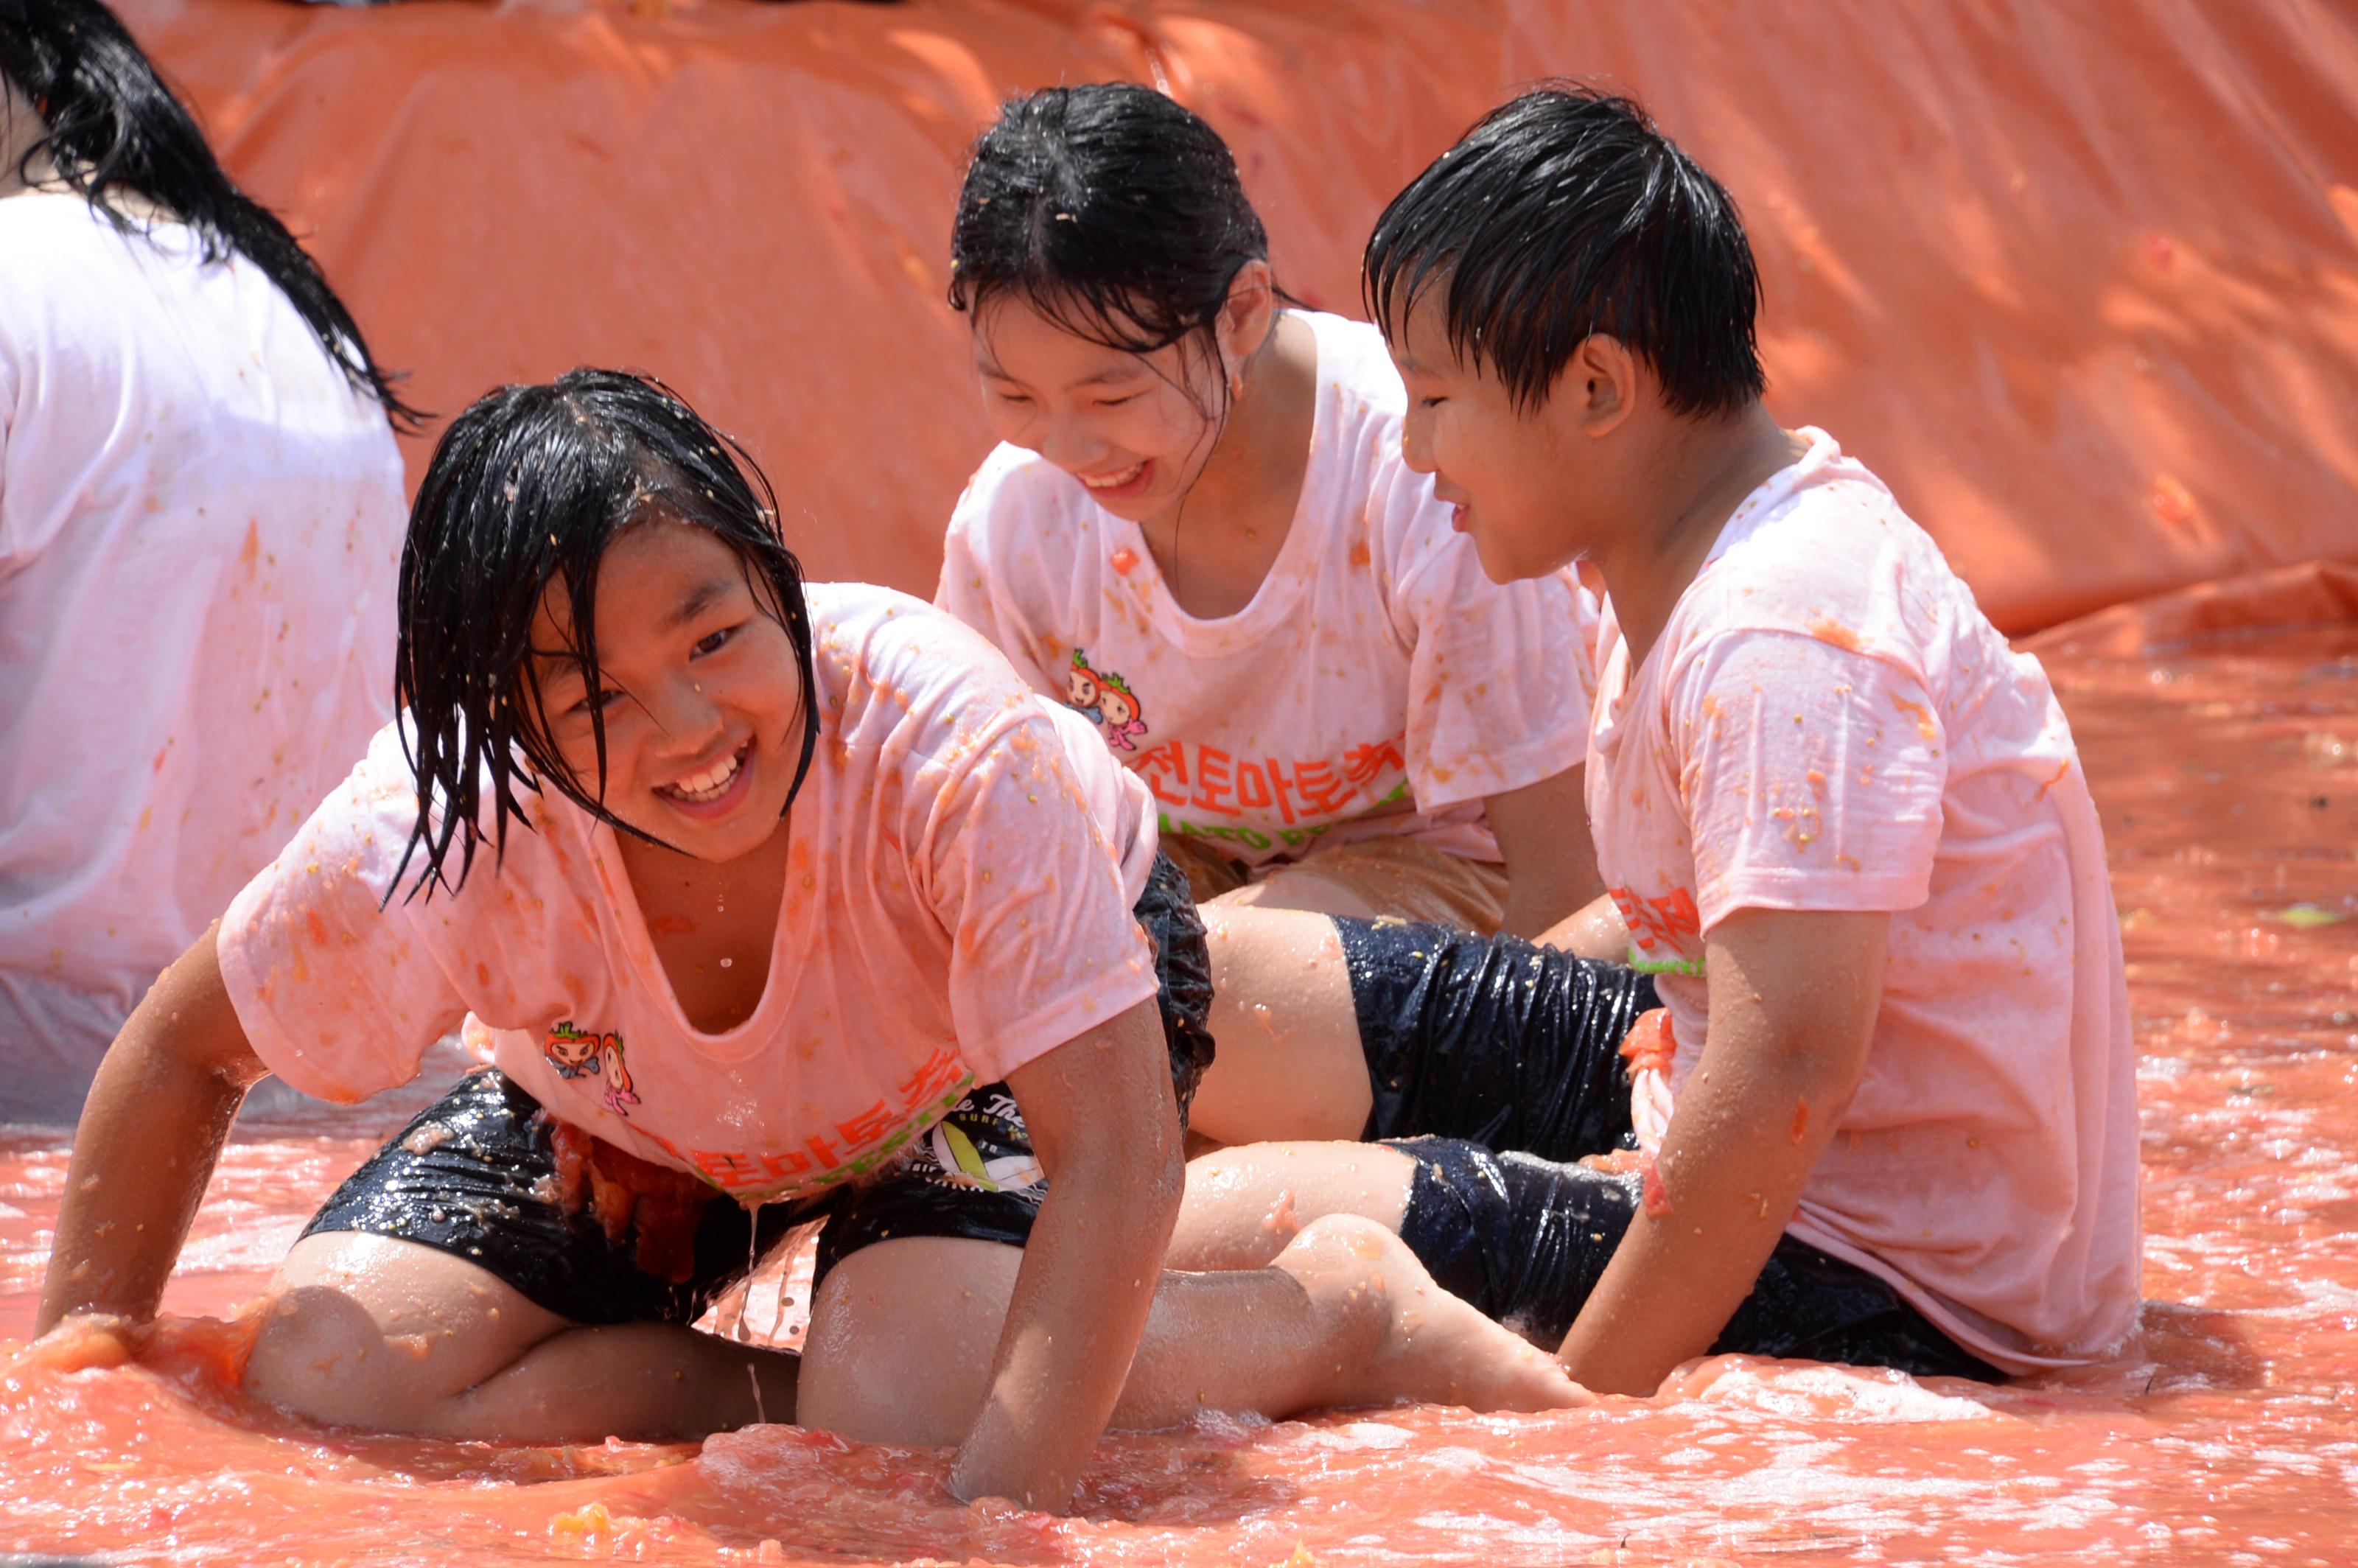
(1564, 214)
(112, 124)
(1111, 210)
(527, 489)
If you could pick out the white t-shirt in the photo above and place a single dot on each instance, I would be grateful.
(964, 861)
(1828, 722)
(199, 523)
(1378, 683)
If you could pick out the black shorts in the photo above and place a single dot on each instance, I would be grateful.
(1491, 1039)
(475, 1174)
(1525, 1240)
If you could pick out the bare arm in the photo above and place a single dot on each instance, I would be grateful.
(1596, 931)
(1543, 831)
(1794, 999)
(150, 1132)
(1106, 1128)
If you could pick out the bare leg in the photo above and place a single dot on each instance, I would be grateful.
(1245, 1205)
(375, 1332)
(1289, 1064)
(1298, 889)
(902, 1333)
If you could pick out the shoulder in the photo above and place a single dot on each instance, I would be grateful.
(50, 231)
(886, 658)
(1827, 553)
(1354, 363)
(1016, 490)
(368, 823)
(914, 700)
(55, 248)
(56, 255)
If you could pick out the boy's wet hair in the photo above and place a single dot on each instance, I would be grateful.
(528, 491)
(1566, 213)
(1109, 210)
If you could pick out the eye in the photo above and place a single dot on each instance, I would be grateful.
(1431, 402)
(718, 640)
(1117, 402)
(608, 699)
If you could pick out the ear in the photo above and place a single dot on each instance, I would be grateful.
(1600, 386)
(1248, 315)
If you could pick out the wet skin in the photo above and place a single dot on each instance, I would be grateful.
(380, 1333)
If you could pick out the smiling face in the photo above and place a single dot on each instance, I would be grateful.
(700, 689)
(1535, 487)
(1135, 429)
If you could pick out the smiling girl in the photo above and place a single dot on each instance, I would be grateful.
(797, 906)
(1198, 514)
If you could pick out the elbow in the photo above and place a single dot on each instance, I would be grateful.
(1137, 1183)
(1162, 1183)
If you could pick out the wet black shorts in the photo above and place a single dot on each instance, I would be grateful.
(475, 1174)
(1499, 1042)
(1525, 1240)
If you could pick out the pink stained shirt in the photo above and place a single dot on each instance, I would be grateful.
(200, 522)
(1828, 722)
(963, 866)
(1376, 685)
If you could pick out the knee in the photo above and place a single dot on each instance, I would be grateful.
(901, 1337)
(321, 1354)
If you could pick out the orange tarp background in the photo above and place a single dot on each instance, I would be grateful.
(2082, 281)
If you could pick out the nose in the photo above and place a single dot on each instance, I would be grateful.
(1416, 440)
(688, 717)
(1068, 442)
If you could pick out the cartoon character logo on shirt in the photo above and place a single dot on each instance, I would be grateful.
(1105, 697)
(576, 1052)
(582, 1053)
(620, 1091)
(1081, 688)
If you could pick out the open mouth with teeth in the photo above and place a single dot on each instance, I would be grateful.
(710, 788)
(1124, 481)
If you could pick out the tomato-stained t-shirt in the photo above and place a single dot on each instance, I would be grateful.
(1377, 683)
(963, 862)
(1828, 722)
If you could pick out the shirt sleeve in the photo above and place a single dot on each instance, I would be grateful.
(1043, 943)
(1811, 776)
(971, 588)
(337, 995)
(1498, 689)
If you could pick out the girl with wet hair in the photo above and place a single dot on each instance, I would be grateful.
(1198, 498)
(199, 508)
(770, 903)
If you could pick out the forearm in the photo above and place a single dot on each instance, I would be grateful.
(150, 1132)
(1533, 905)
(1728, 1177)
(1543, 834)
(1081, 1306)
(1595, 932)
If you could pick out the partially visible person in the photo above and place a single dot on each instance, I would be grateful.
(200, 506)
(1198, 533)
(1844, 825)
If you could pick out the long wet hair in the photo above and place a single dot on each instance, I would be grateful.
(112, 125)
(1109, 210)
(528, 491)
(1564, 214)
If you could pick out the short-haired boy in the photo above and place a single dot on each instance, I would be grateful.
(1843, 824)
